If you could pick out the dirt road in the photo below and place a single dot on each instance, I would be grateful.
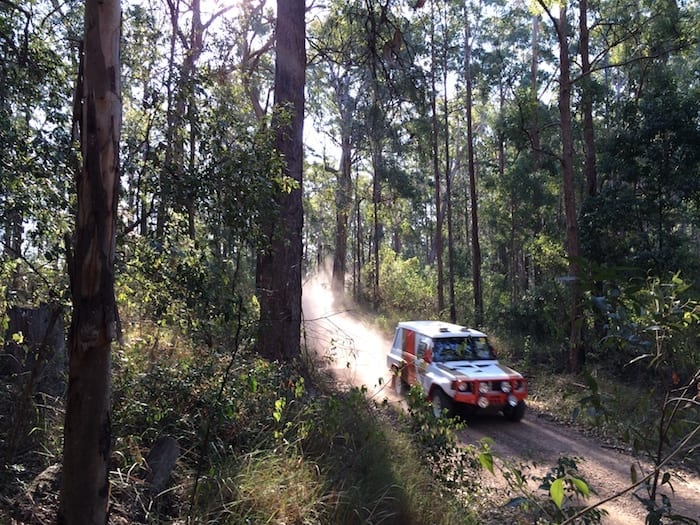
(356, 354)
(537, 440)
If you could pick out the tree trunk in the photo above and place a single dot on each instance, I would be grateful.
(195, 51)
(376, 143)
(177, 185)
(589, 164)
(576, 355)
(279, 266)
(87, 431)
(173, 118)
(476, 248)
(359, 261)
(378, 227)
(343, 207)
(436, 176)
(344, 188)
(535, 124)
(448, 194)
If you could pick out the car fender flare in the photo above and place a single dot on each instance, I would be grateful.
(433, 387)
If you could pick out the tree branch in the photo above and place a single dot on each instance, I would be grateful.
(646, 478)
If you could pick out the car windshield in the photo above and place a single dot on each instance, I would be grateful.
(462, 349)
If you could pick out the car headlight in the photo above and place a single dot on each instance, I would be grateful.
(484, 387)
(462, 387)
(505, 386)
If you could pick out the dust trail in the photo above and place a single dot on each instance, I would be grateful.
(346, 344)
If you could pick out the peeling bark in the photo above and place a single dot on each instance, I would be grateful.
(87, 432)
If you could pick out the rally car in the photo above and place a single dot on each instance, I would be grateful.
(457, 368)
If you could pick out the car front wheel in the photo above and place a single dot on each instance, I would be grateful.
(515, 413)
(442, 404)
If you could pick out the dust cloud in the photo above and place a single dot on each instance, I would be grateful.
(344, 342)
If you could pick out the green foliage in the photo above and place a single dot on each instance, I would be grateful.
(539, 316)
(453, 464)
(261, 448)
(594, 402)
(652, 325)
(178, 283)
(229, 399)
(37, 159)
(185, 295)
(660, 429)
(560, 496)
(241, 177)
(651, 159)
(406, 286)
(659, 512)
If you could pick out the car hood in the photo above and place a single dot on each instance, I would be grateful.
(480, 370)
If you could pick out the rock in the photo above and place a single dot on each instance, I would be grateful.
(161, 461)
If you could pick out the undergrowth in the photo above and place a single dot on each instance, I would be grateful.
(262, 442)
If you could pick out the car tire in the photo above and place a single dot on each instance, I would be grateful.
(442, 404)
(515, 413)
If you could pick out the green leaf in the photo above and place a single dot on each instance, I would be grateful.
(279, 407)
(556, 491)
(581, 486)
(486, 460)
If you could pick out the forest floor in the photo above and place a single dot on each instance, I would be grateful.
(357, 356)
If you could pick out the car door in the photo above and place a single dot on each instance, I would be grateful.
(422, 361)
(409, 356)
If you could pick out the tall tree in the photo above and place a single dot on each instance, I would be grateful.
(434, 139)
(561, 27)
(448, 180)
(589, 158)
(178, 184)
(343, 207)
(377, 133)
(476, 247)
(87, 431)
(338, 47)
(279, 264)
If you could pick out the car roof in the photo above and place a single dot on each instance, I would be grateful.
(440, 329)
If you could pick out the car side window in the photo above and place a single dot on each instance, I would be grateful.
(423, 345)
(398, 338)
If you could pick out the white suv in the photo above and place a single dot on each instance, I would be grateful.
(456, 367)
